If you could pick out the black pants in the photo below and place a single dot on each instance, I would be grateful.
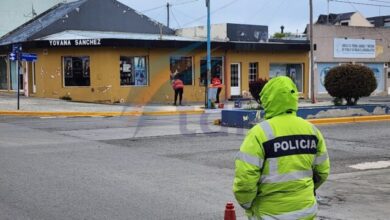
(180, 93)
(218, 92)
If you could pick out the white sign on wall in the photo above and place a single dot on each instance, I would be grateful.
(353, 48)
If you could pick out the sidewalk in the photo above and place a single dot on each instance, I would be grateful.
(32, 106)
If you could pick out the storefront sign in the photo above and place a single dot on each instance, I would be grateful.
(29, 57)
(353, 48)
(68, 43)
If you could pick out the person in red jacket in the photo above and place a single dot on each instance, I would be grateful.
(178, 86)
(216, 83)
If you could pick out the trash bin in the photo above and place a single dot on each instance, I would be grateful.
(211, 96)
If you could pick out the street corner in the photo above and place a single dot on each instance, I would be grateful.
(67, 114)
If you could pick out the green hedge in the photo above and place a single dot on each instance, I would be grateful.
(350, 82)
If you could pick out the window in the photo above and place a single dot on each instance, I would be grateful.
(182, 67)
(253, 71)
(344, 23)
(294, 71)
(216, 69)
(76, 71)
(133, 71)
(386, 23)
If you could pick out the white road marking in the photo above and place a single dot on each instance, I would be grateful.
(371, 165)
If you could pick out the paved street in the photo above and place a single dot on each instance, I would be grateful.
(172, 167)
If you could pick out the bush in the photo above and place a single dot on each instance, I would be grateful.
(255, 88)
(350, 82)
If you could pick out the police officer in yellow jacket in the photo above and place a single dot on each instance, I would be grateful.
(282, 160)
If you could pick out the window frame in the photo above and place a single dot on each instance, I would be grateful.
(250, 73)
(63, 70)
(133, 70)
(192, 68)
(217, 58)
(286, 64)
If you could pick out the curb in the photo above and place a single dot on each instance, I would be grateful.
(91, 114)
(354, 119)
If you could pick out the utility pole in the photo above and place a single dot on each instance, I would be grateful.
(168, 5)
(18, 80)
(313, 99)
(208, 53)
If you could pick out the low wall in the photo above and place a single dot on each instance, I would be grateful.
(247, 118)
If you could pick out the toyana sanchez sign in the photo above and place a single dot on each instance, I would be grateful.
(353, 48)
(81, 42)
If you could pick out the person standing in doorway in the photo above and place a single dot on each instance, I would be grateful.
(178, 87)
(216, 83)
(282, 161)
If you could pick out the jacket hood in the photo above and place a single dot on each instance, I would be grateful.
(279, 96)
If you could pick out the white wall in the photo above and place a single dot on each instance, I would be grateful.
(358, 19)
(14, 13)
(218, 32)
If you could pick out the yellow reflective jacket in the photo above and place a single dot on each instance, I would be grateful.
(282, 160)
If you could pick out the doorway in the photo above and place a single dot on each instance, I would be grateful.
(235, 79)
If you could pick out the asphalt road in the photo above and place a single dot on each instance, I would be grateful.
(176, 167)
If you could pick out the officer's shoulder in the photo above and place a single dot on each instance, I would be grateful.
(304, 121)
(255, 130)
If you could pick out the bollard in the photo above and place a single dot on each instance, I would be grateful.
(230, 213)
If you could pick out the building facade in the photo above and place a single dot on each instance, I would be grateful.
(130, 58)
(336, 45)
(380, 21)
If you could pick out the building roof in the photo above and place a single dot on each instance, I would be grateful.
(101, 23)
(87, 15)
(76, 34)
(379, 21)
(334, 18)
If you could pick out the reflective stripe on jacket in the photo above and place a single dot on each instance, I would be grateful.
(282, 160)
(280, 164)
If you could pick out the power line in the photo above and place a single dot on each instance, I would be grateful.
(184, 14)
(174, 17)
(214, 11)
(263, 6)
(378, 32)
(152, 9)
(360, 3)
(184, 3)
(387, 2)
(163, 6)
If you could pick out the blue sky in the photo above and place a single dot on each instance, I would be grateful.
(293, 14)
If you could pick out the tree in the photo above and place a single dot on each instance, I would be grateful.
(255, 88)
(279, 35)
(350, 82)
